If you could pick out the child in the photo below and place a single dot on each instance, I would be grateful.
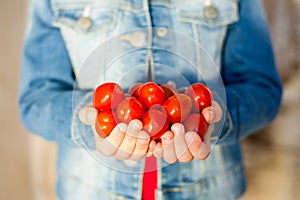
(61, 36)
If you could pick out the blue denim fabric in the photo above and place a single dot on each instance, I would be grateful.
(54, 86)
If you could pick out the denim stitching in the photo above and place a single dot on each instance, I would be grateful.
(121, 5)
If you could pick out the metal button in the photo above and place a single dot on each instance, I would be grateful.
(84, 23)
(138, 39)
(161, 32)
(210, 12)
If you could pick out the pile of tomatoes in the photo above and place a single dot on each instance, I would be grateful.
(157, 106)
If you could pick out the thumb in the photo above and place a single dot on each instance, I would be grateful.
(213, 113)
(88, 115)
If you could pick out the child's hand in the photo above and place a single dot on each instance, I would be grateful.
(185, 146)
(124, 142)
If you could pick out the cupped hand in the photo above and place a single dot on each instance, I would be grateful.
(178, 145)
(124, 142)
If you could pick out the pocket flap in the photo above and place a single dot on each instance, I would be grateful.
(86, 18)
(219, 13)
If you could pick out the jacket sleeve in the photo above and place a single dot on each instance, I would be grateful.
(47, 92)
(253, 88)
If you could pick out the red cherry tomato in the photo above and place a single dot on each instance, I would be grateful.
(155, 122)
(201, 95)
(134, 90)
(107, 96)
(150, 93)
(169, 90)
(130, 108)
(196, 122)
(105, 123)
(178, 107)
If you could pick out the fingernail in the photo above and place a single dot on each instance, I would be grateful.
(167, 139)
(208, 116)
(91, 115)
(134, 125)
(122, 127)
(189, 137)
(177, 129)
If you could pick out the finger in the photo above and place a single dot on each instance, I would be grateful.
(204, 151)
(198, 148)
(141, 146)
(213, 113)
(206, 147)
(169, 154)
(109, 145)
(128, 145)
(182, 151)
(151, 148)
(88, 115)
(158, 151)
(194, 143)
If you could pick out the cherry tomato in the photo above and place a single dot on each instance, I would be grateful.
(178, 107)
(196, 122)
(201, 95)
(105, 123)
(134, 90)
(155, 122)
(169, 90)
(150, 93)
(107, 96)
(130, 108)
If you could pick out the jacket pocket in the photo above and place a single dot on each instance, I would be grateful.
(96, 19)
(84, 27)
(207, 24)
(219, 13)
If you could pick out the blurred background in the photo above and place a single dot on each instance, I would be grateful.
(27, 169)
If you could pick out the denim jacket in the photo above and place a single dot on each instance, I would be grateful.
(66, 54)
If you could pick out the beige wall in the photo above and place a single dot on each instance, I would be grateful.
(27, 161)
(14, 165)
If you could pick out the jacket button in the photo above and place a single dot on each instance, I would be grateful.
(161, 32)
(84, 23)
(210, 12)
(137, 39)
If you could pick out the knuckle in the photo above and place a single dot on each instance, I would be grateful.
(108, 153)
(137, 157)
(121, 155)
(203, 157)
(158, 154)
(170, 161)
(185, 159)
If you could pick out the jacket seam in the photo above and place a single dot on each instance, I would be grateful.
(121, 5)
